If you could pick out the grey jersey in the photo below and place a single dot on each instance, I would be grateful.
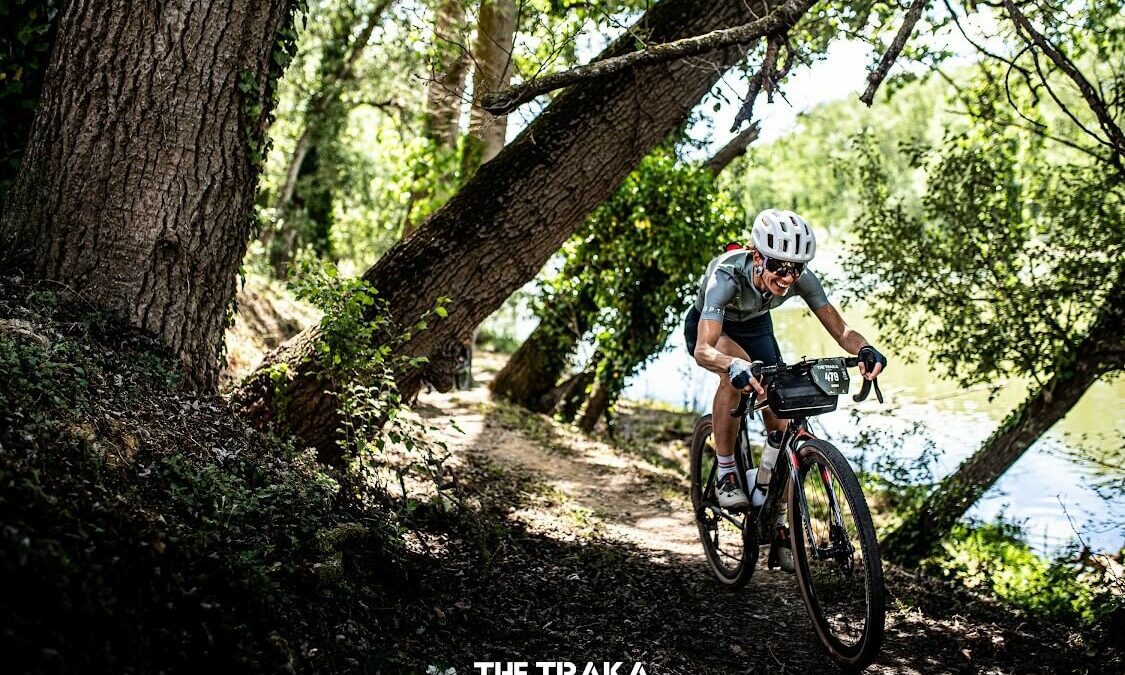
(726, 289)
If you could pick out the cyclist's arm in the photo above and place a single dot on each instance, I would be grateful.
(706, 352)
(847, 337)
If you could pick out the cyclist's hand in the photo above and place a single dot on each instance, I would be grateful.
(871, 362)
(742, 377)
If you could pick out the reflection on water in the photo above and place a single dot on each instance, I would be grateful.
(1032, 492)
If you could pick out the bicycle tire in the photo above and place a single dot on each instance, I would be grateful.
(824, 601)
(737, 573)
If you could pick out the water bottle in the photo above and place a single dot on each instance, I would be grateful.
(765, 470)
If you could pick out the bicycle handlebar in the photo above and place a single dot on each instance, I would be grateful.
(760, 370)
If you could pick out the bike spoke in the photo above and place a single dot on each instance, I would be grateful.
(835, 562)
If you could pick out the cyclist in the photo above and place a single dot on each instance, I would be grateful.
(729, 326)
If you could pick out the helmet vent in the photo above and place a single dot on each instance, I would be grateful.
(797, 242)
(769, 240)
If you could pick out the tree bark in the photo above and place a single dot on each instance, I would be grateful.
(1098, 353)
(139, 179)
(500, 229)
(596, 408)
(492, 71)
(569, 396)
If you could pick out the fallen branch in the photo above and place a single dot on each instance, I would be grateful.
(504, 101)
(876, 77)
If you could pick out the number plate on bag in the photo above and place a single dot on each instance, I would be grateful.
(831, 376)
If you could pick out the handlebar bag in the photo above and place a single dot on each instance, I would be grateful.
(793, 395)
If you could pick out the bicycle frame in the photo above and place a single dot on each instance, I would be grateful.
(764, 517)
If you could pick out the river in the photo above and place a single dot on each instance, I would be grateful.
(1044, 491)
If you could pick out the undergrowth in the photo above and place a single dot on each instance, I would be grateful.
(143, 526)
(1075, 587)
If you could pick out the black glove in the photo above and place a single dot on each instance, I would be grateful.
(741, 371)
(869, 356)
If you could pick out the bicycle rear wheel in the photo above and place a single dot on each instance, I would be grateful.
(836, 556)
(728, 540)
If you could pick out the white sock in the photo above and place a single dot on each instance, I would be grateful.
(726, 465)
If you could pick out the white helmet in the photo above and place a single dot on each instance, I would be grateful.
(783, 235)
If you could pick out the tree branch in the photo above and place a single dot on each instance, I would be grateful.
(1116, 139)
(732, 150)
(764, 76)
(503, 102)
(876, 77)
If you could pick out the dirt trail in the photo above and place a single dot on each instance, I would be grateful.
(581, 487)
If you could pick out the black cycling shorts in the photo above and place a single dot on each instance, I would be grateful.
(754, 335)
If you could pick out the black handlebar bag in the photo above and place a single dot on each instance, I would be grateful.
(808, 392)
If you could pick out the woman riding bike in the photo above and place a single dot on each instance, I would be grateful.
(729, 326)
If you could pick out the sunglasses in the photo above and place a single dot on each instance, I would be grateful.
(783, 268)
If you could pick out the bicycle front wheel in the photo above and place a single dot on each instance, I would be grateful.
(728, 540)
(836, 556)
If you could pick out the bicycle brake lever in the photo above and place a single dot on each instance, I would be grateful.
(743, 402)
(863, 392)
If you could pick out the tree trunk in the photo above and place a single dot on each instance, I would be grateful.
(569, 396)
(492, 55)
(336, 73)
(596, 407)
(445, 91)
(529, 377)
(501, 228)
(531, 372)
(1098, 353)
(139, 179)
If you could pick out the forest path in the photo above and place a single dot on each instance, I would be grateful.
(632, 495)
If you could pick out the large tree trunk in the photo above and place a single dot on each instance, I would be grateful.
(492, 56)
(138, 182)
(500, 229)
(1098, 353)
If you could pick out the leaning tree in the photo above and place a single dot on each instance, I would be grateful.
(499, 230)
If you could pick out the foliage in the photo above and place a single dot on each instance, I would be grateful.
(636, 262)
(1002, 237)
(993, 557)
(27, 33)
(809, 170)
(357, 355)
(144, 526)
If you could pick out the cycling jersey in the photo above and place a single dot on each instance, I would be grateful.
(726, 290)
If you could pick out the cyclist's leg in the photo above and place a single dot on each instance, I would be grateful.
(726, 399)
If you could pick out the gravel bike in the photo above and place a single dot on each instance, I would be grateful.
(830, 532)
